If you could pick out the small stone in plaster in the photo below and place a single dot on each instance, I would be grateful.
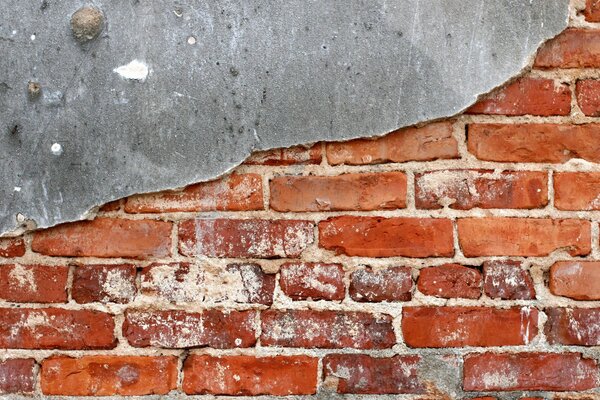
(87, 23)
(191, 40)
(135, 70)
(56, 149)
(32, 37)
(34, 89)
(20, 218)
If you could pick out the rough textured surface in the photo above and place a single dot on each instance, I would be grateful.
(229, 78)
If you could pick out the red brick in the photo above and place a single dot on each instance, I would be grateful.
(577, 190)
(506, 280)
(363, 374)
(579, 280)
(250, 376)
(104, 283)
(187, 282)
(111, 206)
(535, 237)
(317, 281)
(362, 192)
(536, 143)
(16, 376)
(326, 329)
(573, 48)
(253, 238)
(468, 326)
(387, 237)
(450, 281)
(588, 97)
(389, 284)
(12, 247)
(181, 329)
(575, 327)
(431, 142)
(232, 193)
(290, 156)
(33, 283)
(55, 328)
(106, 237)
(529, 371)
(527, 96)
(592, 10)
(109, 375)
(467, 189)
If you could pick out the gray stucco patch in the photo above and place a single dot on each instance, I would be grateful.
(175, 92)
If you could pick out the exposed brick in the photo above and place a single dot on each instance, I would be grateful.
(577, 327)
(16, 376)
(287, 156)
(592, 10)
(389, 284)
(506, 280)
(387, 237)
(317, 281)
(10, 247)
(588, 97)
(536, 143)
(109, 375)
(236, 192)
(180, 329)
(467, 189)
(106, 237)
(197, 282)
(450, 281)
(577, 190)
(252, 238)
(111, 206)
(529, 371)
(104, 283)
(363, 374)
(533, 96)
(362, 192)
(326, 329)
(54, 328)
(573, 48)
(431, 142)
(250, 376)
(523, 236)
(33, 283)
(579, 280)
(468, 326)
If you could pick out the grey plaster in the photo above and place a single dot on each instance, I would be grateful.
(225, 78)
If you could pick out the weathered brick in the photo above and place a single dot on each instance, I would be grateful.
(16, 376)
(362, 192)
(506, 280)
(573, 48)
(288, 156)
(431, 142)
(579, 280)
(252, 238)
(387, 237)
(588, 96)
(197, 282)
(467, 189)
(498, 236)
(577, 190)
(33, 283)
(12, 247)
(533, 96)
(54, 328)
(180, 329)
(236, 192)
(363, 374)
(450, 281)
(389, 284)
(326, 329)
(529, 371)
(536, 143)
(250, 376)
(317, 281)
(106, 237)
(104, 283)
(111, 206)
(468, 326)
(108, 375)
(576, 327)
(592, 10)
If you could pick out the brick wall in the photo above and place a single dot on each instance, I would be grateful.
(460, 259)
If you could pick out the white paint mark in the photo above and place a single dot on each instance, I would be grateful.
(135, 70)
(191, 40)
(56, 149)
